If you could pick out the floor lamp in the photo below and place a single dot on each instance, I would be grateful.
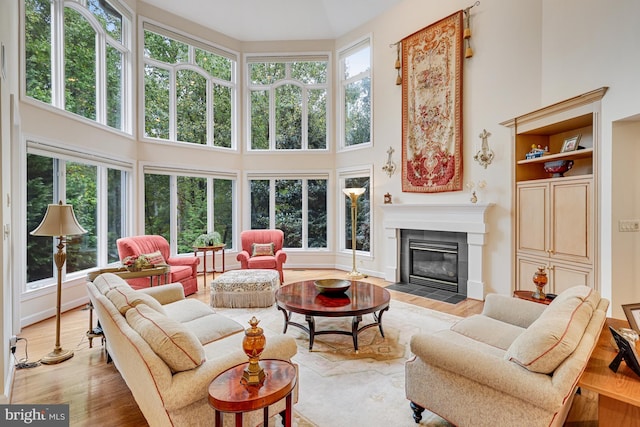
(59, 221)
(353, 194)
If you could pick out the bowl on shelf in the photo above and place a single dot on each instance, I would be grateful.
(557, 168)
(332, 286)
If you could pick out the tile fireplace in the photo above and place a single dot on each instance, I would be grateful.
(463, 224)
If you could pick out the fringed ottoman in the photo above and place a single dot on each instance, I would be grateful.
(245, 288)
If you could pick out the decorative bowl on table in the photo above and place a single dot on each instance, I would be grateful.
(557, 168)
(332, 286)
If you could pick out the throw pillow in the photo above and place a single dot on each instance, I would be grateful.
(155, 258)
(169, 339)
(548, 341)
(262, 249)
(125, 298)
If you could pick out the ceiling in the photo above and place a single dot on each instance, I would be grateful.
(262, 20)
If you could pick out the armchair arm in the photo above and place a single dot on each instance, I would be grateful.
(281, 257)
(514, 311)
(243, 257)
(190, 261)
(487, 369)
(165, 294)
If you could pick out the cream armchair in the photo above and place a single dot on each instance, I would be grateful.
(517, 363)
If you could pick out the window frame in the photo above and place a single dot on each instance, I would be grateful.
(343, 174)
(57, 104)
(250, 58)
(193, 42)
(210, 176)
(304, 176)
(62, 152)
(342, 54)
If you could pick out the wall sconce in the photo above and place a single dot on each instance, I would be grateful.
(390, 166)
(485, 155)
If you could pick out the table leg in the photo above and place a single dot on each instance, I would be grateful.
(238, 419)
(312, 330)
(354, 330)
(288, 411)
(265, 416)
(204, 262)
(223, 260)
(218, 418)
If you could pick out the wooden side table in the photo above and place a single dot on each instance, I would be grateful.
(618, 392)
(528, 295)
(213, 249)
(228, 392)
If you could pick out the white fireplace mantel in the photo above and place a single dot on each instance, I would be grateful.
(467, 218)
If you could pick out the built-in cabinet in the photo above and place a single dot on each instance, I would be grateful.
(555, 215)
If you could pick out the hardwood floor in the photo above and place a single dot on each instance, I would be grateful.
(96, 393)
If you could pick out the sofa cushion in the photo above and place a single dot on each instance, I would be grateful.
(155, 258)
(556, 333)
(108, 281)
(169, 339)
(213, 327)
(488, 330)
(125, 298)
(262, 249)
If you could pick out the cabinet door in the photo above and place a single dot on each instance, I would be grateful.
(532, 218)
(564, 276)
(571, 224)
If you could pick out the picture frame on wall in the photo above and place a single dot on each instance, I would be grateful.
(632, 311)
(571, 143)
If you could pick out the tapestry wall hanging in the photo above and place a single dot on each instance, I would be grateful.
(432, 107)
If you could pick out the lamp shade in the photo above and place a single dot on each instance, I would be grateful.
(353, 191)
(59, 220)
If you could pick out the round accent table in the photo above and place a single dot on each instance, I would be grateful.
(228, 392)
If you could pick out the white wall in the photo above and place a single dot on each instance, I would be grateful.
(8, 87)
(587, 45)
(501, 81)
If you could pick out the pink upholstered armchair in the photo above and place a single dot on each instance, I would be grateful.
(262, 256)
(183, 269)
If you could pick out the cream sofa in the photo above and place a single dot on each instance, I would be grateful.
(168, 349)
(516, 364)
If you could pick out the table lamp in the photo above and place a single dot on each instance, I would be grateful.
(353, 194)
(60, 221)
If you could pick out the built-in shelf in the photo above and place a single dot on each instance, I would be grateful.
(569, 155)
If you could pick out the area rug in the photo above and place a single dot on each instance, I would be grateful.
(341, 388)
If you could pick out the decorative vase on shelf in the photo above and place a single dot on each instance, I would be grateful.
(540, 279)
(253, 344)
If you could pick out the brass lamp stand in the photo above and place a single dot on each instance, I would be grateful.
(58, 221)
(353, 194)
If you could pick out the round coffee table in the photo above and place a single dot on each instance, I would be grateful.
(361, 298)
(228, 392)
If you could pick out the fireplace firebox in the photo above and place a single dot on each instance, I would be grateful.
(434, 259)
(434, 264)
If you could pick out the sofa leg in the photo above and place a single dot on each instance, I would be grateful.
(417, 411)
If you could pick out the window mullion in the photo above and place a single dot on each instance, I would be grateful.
(305, 214)
(101, 224)
(57, 54)
(173, 215)
(272, 203)
(210, 112)
(305, 118)
(211, 214)
(173, 102)
(272, 117)
(101, 78)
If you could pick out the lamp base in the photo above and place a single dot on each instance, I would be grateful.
(57, 356)
(355, 275)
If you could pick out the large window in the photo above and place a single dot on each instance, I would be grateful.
(355, 94)
(78, 58)
(189, 90)
(180, 207)
(97, 193)
(363, 219)
(297, 206)
(287, 101)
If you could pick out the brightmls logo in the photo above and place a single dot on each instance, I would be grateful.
(34, 415)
